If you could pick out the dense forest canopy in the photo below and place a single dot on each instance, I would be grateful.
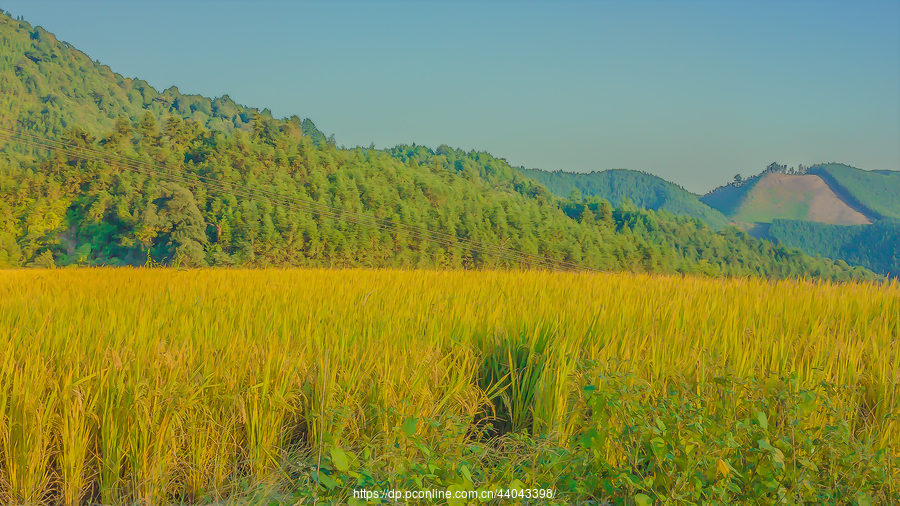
(875, 247)
(643, 190)
(49, 86)
(61, 207)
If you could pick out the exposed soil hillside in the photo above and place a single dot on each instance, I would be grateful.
(874, 193)
(795, 197)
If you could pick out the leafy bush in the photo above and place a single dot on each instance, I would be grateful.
(735, 442)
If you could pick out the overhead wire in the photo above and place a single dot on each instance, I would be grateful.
(275, 199)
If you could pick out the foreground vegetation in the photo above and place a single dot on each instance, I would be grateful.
(163, 386)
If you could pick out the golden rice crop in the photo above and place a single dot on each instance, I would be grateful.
(129, 383)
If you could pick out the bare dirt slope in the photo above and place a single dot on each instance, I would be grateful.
(796, 197)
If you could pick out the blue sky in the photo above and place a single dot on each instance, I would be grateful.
(693, 91)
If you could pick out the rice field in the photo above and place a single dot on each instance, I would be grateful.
(152, 385)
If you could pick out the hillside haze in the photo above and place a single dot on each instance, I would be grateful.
(81, 206)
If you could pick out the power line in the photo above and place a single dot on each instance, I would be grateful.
(276, 199)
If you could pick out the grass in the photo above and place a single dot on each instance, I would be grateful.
(769, 204)
(163, 386)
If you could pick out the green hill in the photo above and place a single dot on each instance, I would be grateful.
(47, 86)
(727, 199)
(81, 207)
(875, 247)
(644, 190)
(876, 193)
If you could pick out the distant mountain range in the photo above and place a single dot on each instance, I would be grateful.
(832, 210)
(252, 190)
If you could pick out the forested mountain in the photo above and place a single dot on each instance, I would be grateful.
(49, 86)
(68, 210)
(824, 209)
(875, 247)
(68, 207)
(644, 190)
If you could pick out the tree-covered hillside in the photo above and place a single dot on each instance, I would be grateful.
(75, 205)
(47, 86)
(877, 192)
(644, 190)
(875, 247)
(67, 209)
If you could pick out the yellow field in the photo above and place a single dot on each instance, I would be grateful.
(125, 381)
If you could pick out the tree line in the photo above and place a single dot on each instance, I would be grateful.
(59, 209)
(875, 247)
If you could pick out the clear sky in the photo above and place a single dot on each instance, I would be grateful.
(693, 91)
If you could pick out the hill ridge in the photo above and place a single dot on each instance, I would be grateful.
(763, 197)
(49, 83)
(847, 197)
(67, 209)
(642, 188)
(876, 191)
